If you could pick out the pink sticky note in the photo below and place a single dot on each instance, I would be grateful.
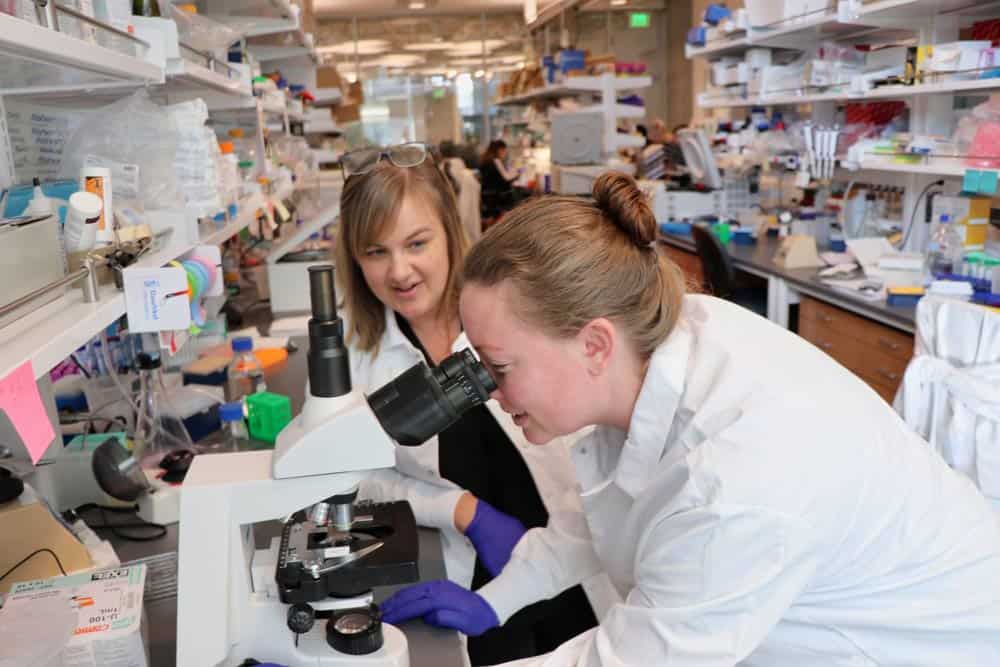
(19, 398)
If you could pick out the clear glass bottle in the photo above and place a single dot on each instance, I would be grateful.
(245, 375)
(231, 266)
(158, 430)
(944, 250)
(870, 227)
(234, 430)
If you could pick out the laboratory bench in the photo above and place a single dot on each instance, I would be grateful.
(428, 646)
(870, 338)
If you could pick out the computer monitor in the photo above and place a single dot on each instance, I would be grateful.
(699, 158)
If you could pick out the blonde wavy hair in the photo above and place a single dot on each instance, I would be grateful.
(369, 204)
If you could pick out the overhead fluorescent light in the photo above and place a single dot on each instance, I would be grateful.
(397, 60)
(366, 47)
(418, 4)
(619, 3)
(429, 46)
(479, 73)
(478, 62)
(474, 47)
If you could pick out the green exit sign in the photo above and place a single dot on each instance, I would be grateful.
(438, 94)
(638, 20)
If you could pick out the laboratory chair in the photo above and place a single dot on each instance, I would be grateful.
(720, 275)
(950, 393)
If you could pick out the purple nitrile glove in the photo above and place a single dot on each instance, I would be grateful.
(494, 535)
(443, 604)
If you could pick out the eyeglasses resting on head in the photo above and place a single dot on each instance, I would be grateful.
(363, 160)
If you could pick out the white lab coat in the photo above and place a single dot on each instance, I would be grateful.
(767, 508)
(417, 478)
(951, 391)
(469, 196)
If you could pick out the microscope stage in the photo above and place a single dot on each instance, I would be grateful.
(319, 562)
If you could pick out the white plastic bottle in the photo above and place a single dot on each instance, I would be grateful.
(82, 217)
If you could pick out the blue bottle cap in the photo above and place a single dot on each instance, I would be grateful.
(231, 412)
(242, 344)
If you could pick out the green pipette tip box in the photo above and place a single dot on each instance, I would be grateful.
(267, 414)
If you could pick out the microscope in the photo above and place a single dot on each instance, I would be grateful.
(236, 602)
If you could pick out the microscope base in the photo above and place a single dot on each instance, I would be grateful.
(274, 642)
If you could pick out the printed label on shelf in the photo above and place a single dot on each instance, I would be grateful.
(157, 299)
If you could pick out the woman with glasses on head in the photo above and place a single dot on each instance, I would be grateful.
(399, 253)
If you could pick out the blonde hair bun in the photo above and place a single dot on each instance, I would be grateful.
(624, 204)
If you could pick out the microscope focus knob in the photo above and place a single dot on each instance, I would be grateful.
(355, 631)
(301, 618)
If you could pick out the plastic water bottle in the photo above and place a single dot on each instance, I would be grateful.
(944, 250)
(245, 375)
(234, 429)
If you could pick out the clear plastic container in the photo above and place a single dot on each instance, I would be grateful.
(246, 152)
(245, 375)
(944, 250)
(158, 430)
(235, 436)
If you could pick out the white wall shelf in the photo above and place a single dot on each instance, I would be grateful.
(621, 111)
(299, 47)
(53, 332)
(936, 166)
(891, 18)
(907, 11)
(34, 59)
(244, 216)
(255, 18)
(954, 87)
(229, 104)
(720, 47)
(577, 85)
(188, 76)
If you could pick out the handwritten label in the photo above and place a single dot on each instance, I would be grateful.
(20, 399)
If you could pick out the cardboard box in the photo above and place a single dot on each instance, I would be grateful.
(83, 620)
(972, 214)
(354, 94)
(26, 525)
(347, 113)
(328, 77)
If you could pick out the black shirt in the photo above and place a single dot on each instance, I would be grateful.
(492, 179)
(476, 454)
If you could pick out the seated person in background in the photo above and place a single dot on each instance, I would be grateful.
(672, 148)
(499, 194)
(493, 170)
(641, 129)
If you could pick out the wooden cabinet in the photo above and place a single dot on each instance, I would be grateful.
(875, 352)
(689, 264)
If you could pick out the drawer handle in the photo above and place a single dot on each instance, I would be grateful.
(824, 345)
(888, 375)
(825, 318)
(885, 342)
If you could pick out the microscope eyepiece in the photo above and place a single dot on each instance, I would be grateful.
(423, 401)
(329, 370)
